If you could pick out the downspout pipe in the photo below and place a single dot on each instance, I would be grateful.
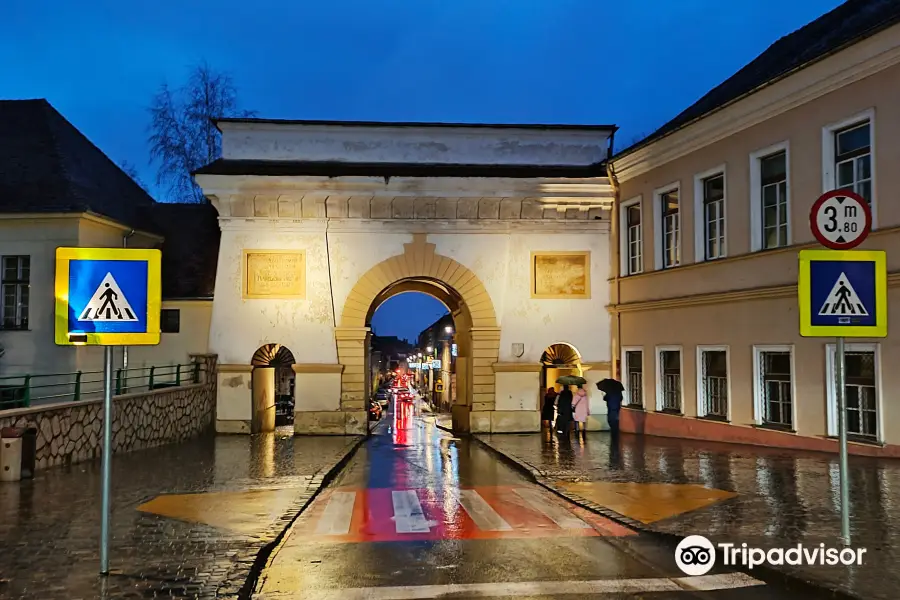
(615, 344)
(125, 348)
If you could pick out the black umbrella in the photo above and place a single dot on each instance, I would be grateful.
(610, 386)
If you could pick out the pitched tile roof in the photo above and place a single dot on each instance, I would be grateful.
(47, 165)
(847, 24)
(190, 252)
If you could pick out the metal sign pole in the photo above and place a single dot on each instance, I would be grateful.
(842, 433)
(841, 220)
(107, 458)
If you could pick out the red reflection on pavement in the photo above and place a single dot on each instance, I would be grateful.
(403, 422)
(373, 518)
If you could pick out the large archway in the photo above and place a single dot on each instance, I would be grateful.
(419, 268)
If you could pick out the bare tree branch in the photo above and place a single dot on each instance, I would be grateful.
(131, 171)
(182, 136)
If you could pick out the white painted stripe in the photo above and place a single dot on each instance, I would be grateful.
(335, 520)
(408, 514)
(553, 511)
(723, 581)
(485, 517)
(527, 589)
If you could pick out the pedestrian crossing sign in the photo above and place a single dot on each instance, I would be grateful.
(843, 293)
(107, 296)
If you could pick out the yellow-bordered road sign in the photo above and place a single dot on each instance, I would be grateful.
(843, 293)
(107, 296)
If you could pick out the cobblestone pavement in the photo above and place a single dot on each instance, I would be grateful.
(49, 527)
(783, 497)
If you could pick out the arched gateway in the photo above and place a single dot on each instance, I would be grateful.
(322, 222)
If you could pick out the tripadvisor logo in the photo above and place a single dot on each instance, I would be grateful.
(696, 555)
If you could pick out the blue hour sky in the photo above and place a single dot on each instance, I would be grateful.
(634, 63)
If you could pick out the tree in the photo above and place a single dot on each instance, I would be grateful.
(183, 137)
(131, 171)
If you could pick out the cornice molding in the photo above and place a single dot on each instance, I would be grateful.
(745, 256)
(87, 216)
(418, 187)
(415, 226)
(317, 368)
(501, 367)
(848, 66)
(764, 293)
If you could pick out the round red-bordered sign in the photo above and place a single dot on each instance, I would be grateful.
(849, 227)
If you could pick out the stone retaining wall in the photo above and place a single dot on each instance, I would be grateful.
(71, 432)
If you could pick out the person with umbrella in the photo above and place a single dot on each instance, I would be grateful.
(612, 390)
(564, 403)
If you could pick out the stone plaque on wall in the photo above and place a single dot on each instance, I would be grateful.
(275, 274)
(561, 275)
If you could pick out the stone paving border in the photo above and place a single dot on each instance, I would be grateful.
(264, 557)
(669, 539)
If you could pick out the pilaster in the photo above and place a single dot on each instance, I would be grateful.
(485, 348)
(351, 349)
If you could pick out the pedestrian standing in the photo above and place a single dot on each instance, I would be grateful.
(581, 406)
(613, 406)
(564, 412)
(549, 407)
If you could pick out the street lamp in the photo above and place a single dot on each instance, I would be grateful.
(429, 349)
(448, 329)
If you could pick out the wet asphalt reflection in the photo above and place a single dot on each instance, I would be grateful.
(418, 511)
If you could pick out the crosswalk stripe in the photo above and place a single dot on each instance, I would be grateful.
(551, 510)
(338, 513)
(485, 517)
(408, 514)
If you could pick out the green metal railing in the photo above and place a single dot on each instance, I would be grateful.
(22, 391)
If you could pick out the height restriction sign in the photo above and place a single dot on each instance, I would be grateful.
(840, 220)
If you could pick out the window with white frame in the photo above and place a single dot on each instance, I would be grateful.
(631, 237)
(861, 390)
(770, 214)
(15, 283)
(774, 389)
(853, 159)
(634, 376)
(711, 209)
(668, 382)
(712, 382)
(773, 182)
(670, 224)
(848, 155)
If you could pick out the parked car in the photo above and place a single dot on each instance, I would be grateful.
(383, 397)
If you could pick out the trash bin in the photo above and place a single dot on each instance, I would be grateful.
(10, 454)
(29, 453)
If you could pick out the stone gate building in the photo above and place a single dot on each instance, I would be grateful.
(322, 222)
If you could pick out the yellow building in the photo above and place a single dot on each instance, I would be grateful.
(58, 189)
(711, 212)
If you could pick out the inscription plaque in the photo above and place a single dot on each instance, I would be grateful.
(275, 274)
(561, 275)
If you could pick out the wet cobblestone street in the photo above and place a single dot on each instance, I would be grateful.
(783, 497)
(50, 526)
